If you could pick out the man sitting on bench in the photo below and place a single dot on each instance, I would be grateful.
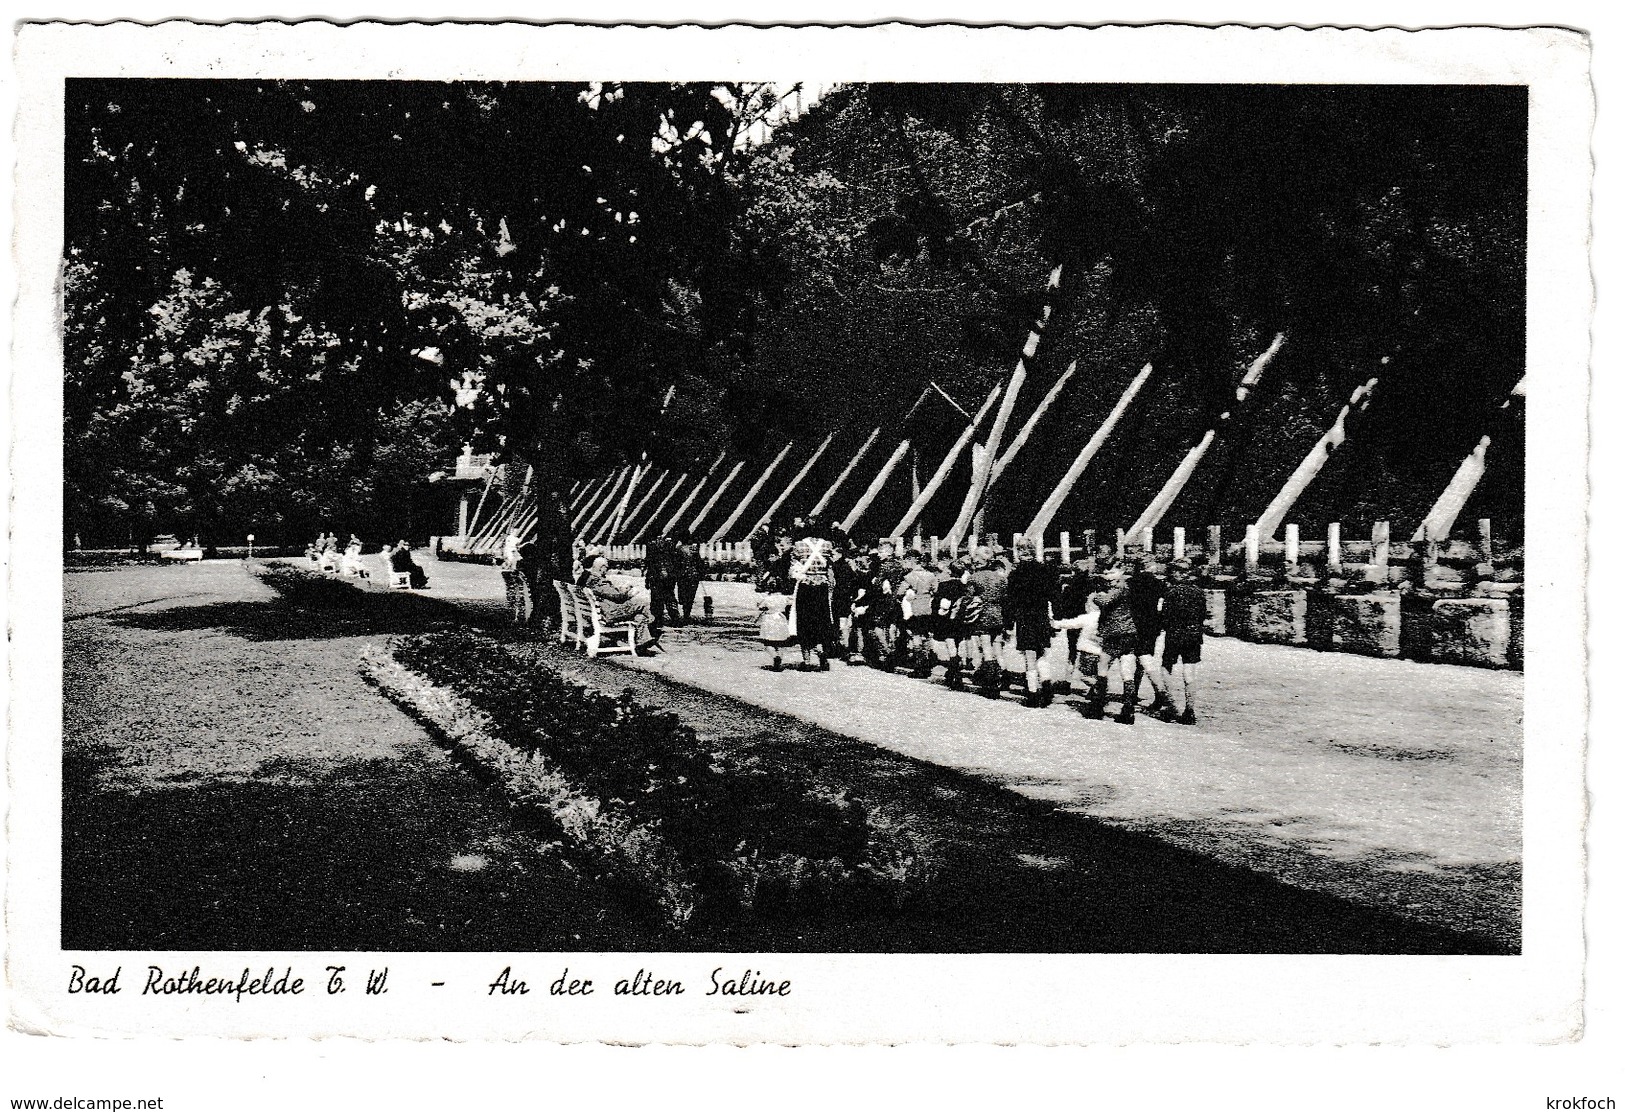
(620, 605)
(401, 563)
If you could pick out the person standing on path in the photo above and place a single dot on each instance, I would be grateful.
(988, 586)
(773, 626)
(1184, 615)
(690, 569)
(1030, 597)
(813, 619)
(919, 624)
(660, 579)
(1117, 644)
(1145, 593)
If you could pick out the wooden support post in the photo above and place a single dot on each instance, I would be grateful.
(632, 514)
(1379, 551)
(1250, 547)
(823, 502)
(1122, 543)
(1052, 504)
(922, 497)
(1215, 546)
(1430, 555)
(590, 526)
(579, 501)
(654, 515)
(462, 516)
(1275, 513)
(694, 493)
(1089, 543)
(1291, 548)
(590, 514)
(613, 526)
(767, 514)
(1179, 542)
(755, 489)
(1334, 548)
(1066, 547)
(1164, 500)
(1147, 539)
(856, 515)
(1442, 517)
(694, 526)
(1486, 543)
(995, 436)
(1021, 438)
(936, 550)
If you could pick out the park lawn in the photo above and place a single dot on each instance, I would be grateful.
(229, 782)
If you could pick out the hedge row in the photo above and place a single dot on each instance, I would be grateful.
(745, 838)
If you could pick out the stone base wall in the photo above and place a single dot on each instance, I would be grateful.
(1484, 632)
(1471, 631)
(1277, 617)
(1366, 624)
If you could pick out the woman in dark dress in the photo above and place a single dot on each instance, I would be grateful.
(1030, 596)
(814, 582)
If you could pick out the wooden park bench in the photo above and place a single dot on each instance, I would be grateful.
(397, 580)
(582, 622)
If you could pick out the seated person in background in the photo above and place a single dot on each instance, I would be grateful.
(620, 605)
(351, 563)
(400, 560)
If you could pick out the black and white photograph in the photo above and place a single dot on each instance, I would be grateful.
(640, 555)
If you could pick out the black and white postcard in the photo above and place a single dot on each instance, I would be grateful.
(800, 535)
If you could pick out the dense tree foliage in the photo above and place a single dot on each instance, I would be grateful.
(286, 303)
(1380, 229)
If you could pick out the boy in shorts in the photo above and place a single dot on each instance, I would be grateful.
(1184, 613)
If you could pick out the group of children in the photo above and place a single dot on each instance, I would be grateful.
(984, 618)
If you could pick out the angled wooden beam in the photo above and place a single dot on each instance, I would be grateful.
(858, 510)
(590, 527)
(823, 503)
(585, 514)
(654, 514)
(692, 494)
(750, 495)
(1052, 505)
(1281, 505)
(995, 437)
(694, 526)
(767, 515)
(579, 516)
(1176, 482)
(930, 489)
(1442, 517)
(611, 523)
(1032, 423)
(591, 490)
(613, 526)
(632, 514)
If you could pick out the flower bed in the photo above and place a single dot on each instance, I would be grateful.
(715, 835)
(748, 838)
(532, 784)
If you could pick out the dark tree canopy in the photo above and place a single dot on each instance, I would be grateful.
(287, 303)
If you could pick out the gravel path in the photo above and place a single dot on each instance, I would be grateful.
(229, 782)
(1392, 783)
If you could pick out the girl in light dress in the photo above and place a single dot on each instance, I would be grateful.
(773, 621)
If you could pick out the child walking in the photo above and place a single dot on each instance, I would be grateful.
(774, 619)
(1184, 613)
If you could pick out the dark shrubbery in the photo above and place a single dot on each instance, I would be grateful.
(750, 837)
